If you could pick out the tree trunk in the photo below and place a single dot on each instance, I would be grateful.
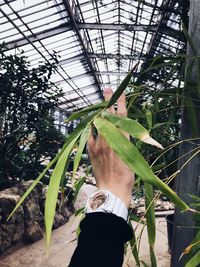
(188, 181)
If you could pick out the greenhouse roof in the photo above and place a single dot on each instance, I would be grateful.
(98, 41)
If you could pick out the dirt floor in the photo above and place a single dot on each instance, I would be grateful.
(64, 243)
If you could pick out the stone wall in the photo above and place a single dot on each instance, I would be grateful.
(27, 223)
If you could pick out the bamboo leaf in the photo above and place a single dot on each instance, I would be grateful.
(77, 186)
(150, 220)
(194, 261)
(132, 127)
(195, 198)
(134, 160)
(121, 87)
(133, 245)
(52, 192)
(79, 211)
(135, 218)
(76, 132)
(149, 118)
(153, 257)
(83, 140)
(150, 213)
(85, 111)
(144, 264)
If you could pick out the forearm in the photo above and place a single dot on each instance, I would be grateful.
(101, 241)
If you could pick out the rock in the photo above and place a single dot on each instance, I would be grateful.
(11, 231)
(33, 233)
(28, 220)
(32, 211)
(58, 220)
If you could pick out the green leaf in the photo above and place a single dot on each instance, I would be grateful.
(85, 111)
(150, 213)
(83, 140)
(78, 185)
(76, 132)
(134, 160)
(195, 198)
(149, 118)
(36, 181)
(121, 88)
(150, 220)
(53, 188)
(194, 261)
(132, 127)
(153, 257)
(144, 264)
(133, 245)
(135, 218)
(79, 211)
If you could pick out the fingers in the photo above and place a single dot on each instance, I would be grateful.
(121, 106)
(108, 94)
(91, 144)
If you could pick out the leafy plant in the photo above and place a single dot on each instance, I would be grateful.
(148, 116)
(26, 127)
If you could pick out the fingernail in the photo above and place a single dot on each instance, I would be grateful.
(107, 90)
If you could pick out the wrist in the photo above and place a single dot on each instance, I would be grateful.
(125, 197)
(105, 201)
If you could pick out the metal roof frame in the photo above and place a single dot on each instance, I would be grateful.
(99, 40)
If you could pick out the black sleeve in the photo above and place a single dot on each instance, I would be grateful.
(101, 241)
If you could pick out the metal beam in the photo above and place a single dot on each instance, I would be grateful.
(117, 27)
(98, 26)
(115, 56)
(161, 26)
(82, 42)
(110, 73)
(39, 36)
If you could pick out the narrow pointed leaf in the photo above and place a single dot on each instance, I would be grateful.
(134, 160)
(153, 257)
(149, 118)
(150, 213)
(78, 186)
(83, 140)
(76, 132)
(194, 261)
(133, 244)
(132, 127)
(150, 220)
(85, 111)
(144, 264)
(121, 87)
(52, 193)
(135, 218)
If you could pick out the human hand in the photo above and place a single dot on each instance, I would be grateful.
(110, 172)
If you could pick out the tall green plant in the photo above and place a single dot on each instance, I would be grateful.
(109, 127)
(27, 131)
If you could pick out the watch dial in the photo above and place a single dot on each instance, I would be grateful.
(97, 201)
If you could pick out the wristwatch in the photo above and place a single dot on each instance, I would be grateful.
(105, 201)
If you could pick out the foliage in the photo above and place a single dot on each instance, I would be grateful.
(148, 112)
(26, 127)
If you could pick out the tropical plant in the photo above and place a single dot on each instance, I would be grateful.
(148, 108)
(26, 126)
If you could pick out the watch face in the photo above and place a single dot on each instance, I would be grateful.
(97, 201)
